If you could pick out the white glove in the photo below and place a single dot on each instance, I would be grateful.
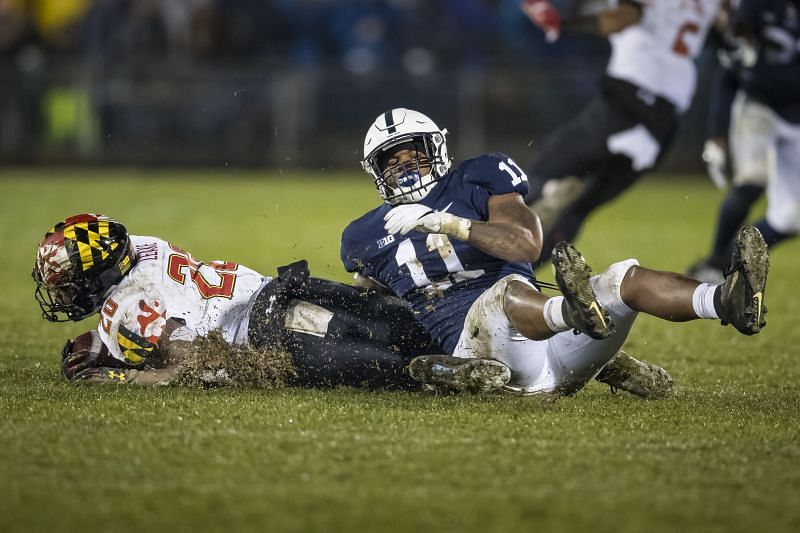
(716, 162)
(407, 217)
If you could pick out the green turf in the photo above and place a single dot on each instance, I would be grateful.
(723, 456)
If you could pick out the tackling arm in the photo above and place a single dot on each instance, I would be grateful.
(512, 233)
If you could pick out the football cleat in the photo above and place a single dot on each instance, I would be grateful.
(640, 378)
(581, 309)
(741, 297)
(471, 375)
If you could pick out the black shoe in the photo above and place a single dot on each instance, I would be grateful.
(640, 378)
(741, 297)
(472, 375)
(581, 309)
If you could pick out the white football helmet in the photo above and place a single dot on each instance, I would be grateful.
(403, 183)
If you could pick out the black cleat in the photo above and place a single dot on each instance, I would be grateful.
(472, 375)
(741, 297)
(640, 378)
(581, 309)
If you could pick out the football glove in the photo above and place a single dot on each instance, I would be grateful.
(85, 352)
(104, 374)
(544, 15)
(716, 162)
(404, 218)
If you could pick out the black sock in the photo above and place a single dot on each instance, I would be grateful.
(718, 303)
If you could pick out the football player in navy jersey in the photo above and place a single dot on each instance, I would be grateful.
(458, 243)
(765, 126)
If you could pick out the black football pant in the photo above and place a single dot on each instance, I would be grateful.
(579, 148)
(368, 343)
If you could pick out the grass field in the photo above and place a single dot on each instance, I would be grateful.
(722, 456)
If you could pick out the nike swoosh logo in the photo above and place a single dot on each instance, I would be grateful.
(758, 296)
(596, 308)
(445, 208)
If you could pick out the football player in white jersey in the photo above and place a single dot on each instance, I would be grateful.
(153, 298)
(624, 130)
(457, 242)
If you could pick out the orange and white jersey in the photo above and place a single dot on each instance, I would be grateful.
(167, 282)
(657, 54)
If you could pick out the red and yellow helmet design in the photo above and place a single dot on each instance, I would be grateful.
(77, 262)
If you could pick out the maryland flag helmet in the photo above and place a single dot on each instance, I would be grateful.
(78, 261)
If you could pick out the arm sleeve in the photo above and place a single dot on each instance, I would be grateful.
(349, 254)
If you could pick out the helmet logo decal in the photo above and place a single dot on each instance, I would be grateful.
(90, 237)
(53, 261)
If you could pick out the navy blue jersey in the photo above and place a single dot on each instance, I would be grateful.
(438, 276)
(775, 78)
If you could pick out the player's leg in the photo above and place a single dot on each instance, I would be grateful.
(572, 150)
(329, 349)
(783, 192)
(597, 190)
(629, 139)
(566, 361)
(489, 335)
(353, 362)
(752, 134)
(738, 301)
(538, 318)
(575, 360)
(368, 315)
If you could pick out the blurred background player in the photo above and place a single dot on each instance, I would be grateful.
(624, 130)
(762, 68)
(154, 300)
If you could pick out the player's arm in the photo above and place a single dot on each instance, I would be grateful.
(512, 232)
(590, 16)
(87, 359)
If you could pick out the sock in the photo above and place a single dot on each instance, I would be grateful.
(553, 314)
(703, 301)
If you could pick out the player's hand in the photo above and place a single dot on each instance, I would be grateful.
(544, 15)
(716, 159)
(404, 218)
(86, 351)
(104, 374)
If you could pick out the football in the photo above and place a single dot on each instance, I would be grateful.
(88, 342)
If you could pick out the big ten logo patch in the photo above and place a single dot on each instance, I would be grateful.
(389, 239)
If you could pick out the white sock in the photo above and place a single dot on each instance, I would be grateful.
(553, 316)
(703, 301)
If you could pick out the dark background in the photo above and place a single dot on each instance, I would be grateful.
(285, 84)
